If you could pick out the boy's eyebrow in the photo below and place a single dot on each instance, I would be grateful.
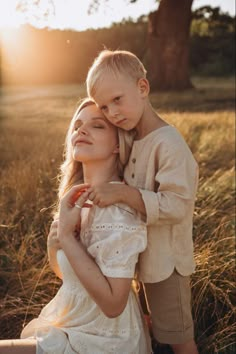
(118, 94)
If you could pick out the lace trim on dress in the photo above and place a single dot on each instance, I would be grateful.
(114, 226)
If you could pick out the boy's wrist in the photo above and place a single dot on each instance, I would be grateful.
(132, 197)
(125, 194)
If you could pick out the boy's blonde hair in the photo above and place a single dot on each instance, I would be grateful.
(72, 170)
(115, 62)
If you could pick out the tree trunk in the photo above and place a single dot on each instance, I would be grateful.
(168, 41)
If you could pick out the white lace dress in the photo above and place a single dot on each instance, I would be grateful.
(72, 322)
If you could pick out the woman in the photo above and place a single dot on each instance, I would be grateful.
(93, 250)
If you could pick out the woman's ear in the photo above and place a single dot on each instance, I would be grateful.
(117, 149)
(143, 86)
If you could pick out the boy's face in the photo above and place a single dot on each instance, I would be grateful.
(122, 100)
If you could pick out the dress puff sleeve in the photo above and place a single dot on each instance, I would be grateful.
(117, 237)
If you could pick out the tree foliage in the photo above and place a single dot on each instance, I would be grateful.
(212, 45)
(54, 56)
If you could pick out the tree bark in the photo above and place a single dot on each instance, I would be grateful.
(168, 42)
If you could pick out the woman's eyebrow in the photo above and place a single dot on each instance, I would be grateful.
(102, 118)
(78, 121)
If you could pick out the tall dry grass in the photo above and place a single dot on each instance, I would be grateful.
(33, 122)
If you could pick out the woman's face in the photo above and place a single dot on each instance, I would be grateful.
(93, 137)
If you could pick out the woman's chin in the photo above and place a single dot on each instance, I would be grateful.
(79, 157)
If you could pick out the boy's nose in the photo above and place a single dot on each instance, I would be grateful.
(113, 112)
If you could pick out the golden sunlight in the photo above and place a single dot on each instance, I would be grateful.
(71, 14)
(14, 13)
(9, 18)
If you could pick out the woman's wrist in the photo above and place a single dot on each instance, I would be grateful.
(69, 239)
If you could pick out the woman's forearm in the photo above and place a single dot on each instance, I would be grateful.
(100, 288)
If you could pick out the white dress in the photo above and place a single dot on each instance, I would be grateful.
(72, 322)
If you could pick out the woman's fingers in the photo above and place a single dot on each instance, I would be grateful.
(54, 225)
(53, 236)
(76, 191)
(70, 209)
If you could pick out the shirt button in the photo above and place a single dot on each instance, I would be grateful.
(134, 160)
(132, 175)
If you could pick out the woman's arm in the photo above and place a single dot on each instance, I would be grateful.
(110, 294)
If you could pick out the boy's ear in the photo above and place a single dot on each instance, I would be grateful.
(144, 87)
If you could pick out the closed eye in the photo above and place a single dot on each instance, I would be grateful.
(117, 99)
(98, 126)
(103, 108)
(77, 125)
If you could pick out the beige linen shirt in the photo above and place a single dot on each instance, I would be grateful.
(163, 168)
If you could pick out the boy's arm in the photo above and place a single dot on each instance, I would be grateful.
(111, 193)
(177, 178)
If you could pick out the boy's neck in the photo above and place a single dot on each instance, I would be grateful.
(149, 122)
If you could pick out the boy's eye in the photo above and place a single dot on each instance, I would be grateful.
(117, 99)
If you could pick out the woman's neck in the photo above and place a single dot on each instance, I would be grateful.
(99, 172)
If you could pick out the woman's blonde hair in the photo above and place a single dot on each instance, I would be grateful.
(72, 171)
(115, 62)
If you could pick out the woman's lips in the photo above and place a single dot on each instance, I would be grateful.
(82, 141)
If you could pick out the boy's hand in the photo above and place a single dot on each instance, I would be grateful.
(105, 194)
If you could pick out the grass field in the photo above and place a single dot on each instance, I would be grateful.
(33, 122)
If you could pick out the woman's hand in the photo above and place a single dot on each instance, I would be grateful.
(70, 213)
(53, 240)
(53, 245)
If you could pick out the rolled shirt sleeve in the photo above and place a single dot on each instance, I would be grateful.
(177, 178)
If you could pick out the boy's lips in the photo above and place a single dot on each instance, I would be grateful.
(121, 121)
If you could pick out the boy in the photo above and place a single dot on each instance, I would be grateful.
(161, 178)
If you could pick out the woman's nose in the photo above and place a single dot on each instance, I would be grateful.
(82, 131)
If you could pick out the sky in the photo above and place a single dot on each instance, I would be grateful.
(72, 14)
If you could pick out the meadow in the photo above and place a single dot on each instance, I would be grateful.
(33, 123)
